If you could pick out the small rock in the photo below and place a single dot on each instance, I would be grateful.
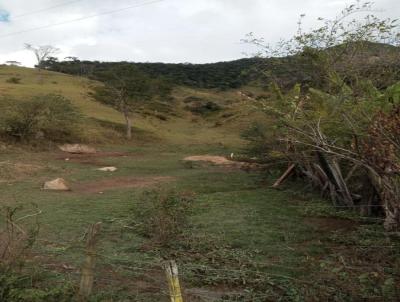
(58, 184)
(108, 169)
(77, 149)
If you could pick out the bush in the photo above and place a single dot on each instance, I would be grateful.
(14, 80)
(26, 287)
(15, 240)
(21, 280)
(162, 215)
(51, 117)
(259, 140)
(204, 108)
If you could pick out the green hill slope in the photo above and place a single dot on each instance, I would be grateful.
(174, 121)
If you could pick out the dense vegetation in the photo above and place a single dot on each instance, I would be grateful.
(221, 75)
(377, 62)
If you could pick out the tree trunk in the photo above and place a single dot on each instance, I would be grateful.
(128, 120)
(333, 172)
(388, 188)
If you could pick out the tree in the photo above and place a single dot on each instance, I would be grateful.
(13, 63)
(342, 49)
(42, 52)
(343, 137)
(128, 90)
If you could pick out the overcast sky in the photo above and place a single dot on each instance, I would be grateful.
(196, 31)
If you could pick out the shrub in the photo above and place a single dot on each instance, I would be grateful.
(51, 117)
(162, 215)
(15, 240)
(259, 140)
(203, 108)
(14, 80)
(21, 280)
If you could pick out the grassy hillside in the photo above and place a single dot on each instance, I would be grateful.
(177, 125)
(35, 82)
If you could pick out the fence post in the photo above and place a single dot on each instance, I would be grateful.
(171, 270)
(87, 273)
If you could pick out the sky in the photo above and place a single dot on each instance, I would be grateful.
(176, 31)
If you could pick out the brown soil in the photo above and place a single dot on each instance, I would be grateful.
(119, 183)
(221, 161)
(329, 224)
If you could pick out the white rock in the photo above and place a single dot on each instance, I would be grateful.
(108, 169)
(58, 184)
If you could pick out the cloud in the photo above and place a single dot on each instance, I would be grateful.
(167, 31)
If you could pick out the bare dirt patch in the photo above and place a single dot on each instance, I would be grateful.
(217, 160)
(329, 224)
(120, 183)
(223, 162)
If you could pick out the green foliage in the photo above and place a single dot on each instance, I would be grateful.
(51, 117)
(392, 94)
(14, 80)
(125, 88)
(259, 139)
(337, 52)
(222, 75)
(162, 215)
(201, 106)
(20, 287)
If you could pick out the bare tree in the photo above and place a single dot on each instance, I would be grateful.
(42, 52)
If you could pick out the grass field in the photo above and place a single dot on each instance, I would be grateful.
(243, 241)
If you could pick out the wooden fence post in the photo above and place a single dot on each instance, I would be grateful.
(171, 270)
(87, 273)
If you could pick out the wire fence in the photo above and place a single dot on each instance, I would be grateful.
(214, 277)
(216, 281)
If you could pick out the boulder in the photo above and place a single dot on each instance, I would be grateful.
(108, 169)
(58, 184)
(77, 149)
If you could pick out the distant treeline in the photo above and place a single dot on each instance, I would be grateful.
(222, 75)
(378, 63)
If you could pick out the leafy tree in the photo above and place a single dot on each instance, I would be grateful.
(355, 44)
(343, 136)
(128, 90)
